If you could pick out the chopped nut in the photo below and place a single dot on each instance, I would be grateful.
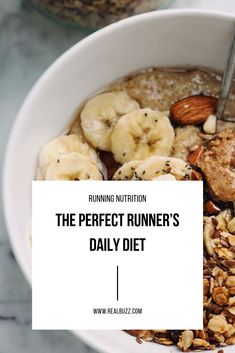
(232, 290)
(198, 342)
(162, 340)
(224, 243)
(230, 330)
(209, 125)
(211, 208)
(186, 340)
(206, 286)
(216, 309)
(225, 234)
(219, 338)
(217, 233)
(217, 323)
(193, 148)
(187, 139)
(232, 310)
(224, 253)
(202, 334)
(229, 264)
(195, 155)
(231, 239)
(230, 282)
(231, 225)
(229, 316)
(196, 175)
(208, 233)
(212, 284)
(223, 218)
(230, 341)
(220, 295)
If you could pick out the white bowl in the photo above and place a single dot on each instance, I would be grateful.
(163, 38)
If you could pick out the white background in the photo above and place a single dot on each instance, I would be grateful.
(69, 280)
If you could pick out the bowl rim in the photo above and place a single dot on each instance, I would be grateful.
(22, 112)
(21, 116)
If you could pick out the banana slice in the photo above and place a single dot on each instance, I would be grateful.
(76, 129)
(164, 177)
(73, 166)
(39, 174)
(126, 172)
(141, 134)
(157, 166)
(100, 115)
(63, 144)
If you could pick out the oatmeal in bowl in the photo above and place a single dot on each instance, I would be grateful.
(160, 125)
(97, 76)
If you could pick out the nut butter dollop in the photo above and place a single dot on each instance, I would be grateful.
(217, 162)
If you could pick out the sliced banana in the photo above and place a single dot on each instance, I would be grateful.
(157, 166)
(126, 171)
(141, 134)
(164, 177)
(73, 166)
(76, 129)
(100, 115)
(61, 145)
(39, 174)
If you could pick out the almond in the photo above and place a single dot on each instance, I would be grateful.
(195, 175)
(211, 208)
(193, 110)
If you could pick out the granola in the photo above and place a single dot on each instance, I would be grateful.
(218, 292)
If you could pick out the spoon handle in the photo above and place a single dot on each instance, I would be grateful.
(226, 83)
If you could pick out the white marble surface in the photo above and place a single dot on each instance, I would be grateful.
(29, 43)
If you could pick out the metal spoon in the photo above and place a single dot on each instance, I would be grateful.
(226, 84)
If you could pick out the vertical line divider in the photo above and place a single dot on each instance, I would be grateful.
(117, 283)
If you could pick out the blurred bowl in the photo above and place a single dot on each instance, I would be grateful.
(95, 14)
